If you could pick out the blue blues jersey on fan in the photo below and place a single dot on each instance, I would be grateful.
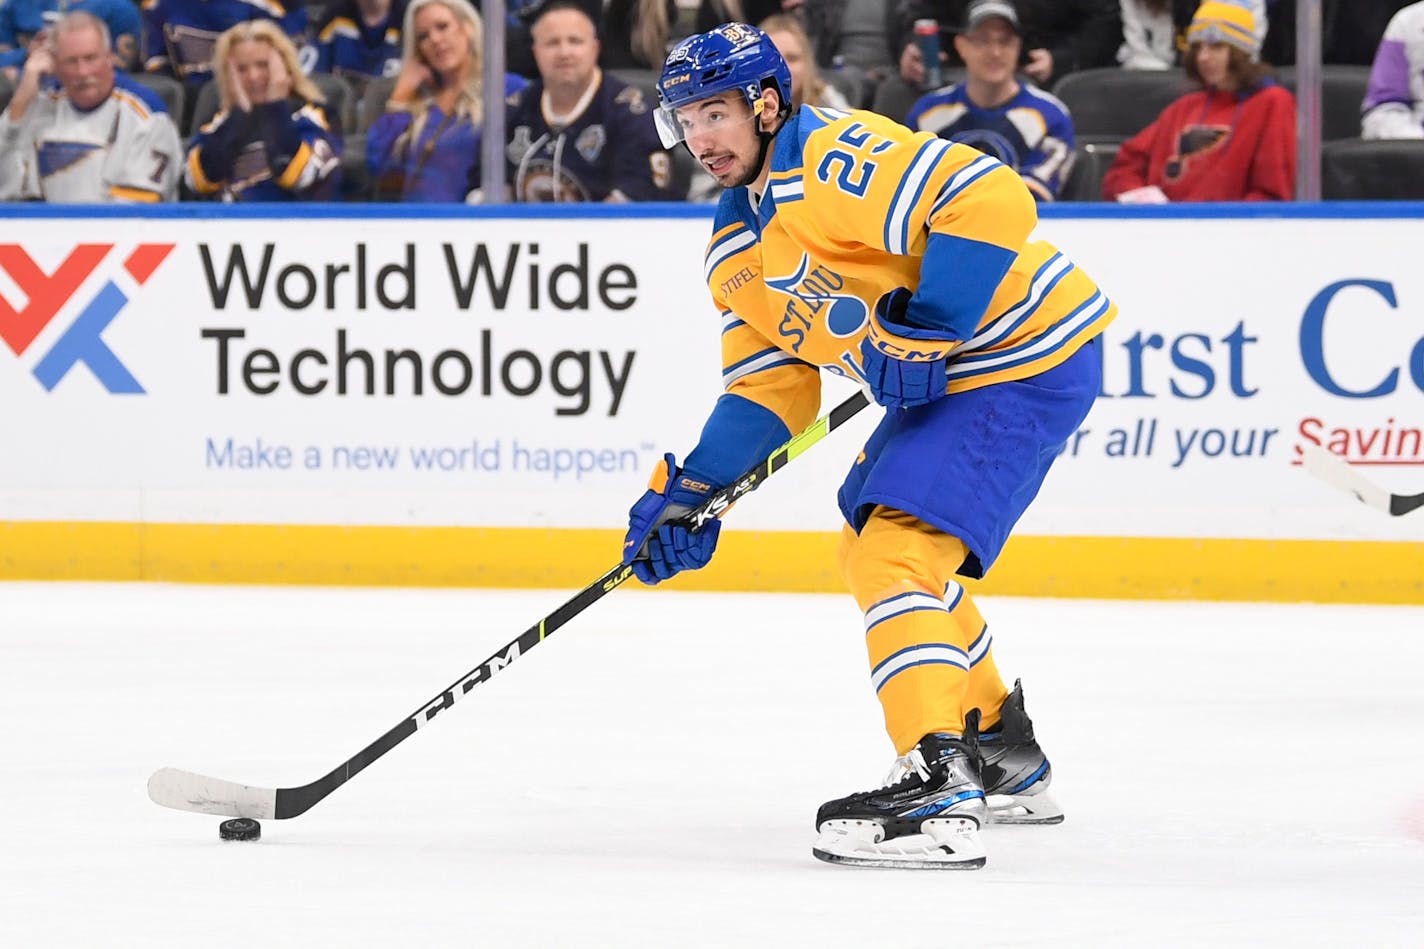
(279, 151)
(22, 20)
(606, 149)
(179, 35)
(1032, 133)
(355, 50)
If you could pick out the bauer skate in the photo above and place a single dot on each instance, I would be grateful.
(1015, 771)
(927, 816)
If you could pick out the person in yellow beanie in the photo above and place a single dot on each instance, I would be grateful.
(1232, 140)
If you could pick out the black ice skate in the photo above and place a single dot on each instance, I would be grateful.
(927, 816)
(1016, 773)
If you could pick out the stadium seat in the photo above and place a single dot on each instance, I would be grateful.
(1113, 104)
(1342, 92)
(355, 182)
(168, 89)
(339, 100)
(850, 83)
(894, 96)
(373, 102)
(1090, 163)
(205, 106)
(1357, 170)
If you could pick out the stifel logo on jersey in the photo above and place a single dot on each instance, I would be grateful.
(47, 293)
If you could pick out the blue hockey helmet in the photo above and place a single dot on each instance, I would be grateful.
(734, 56)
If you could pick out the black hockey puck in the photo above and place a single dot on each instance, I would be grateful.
(240, 828)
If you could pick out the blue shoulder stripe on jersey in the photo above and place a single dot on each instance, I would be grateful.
(730, 244)
(906, 198)
(791, 189)
(962, 179)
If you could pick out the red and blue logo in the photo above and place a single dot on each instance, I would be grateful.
(46, 294)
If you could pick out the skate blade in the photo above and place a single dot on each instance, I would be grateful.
(1023, 809)
(943, 844)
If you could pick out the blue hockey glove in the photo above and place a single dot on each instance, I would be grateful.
(656, 548)
(904, 366)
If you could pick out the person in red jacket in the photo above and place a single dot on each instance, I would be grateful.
(1232, 141)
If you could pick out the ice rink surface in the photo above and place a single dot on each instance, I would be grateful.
(1233, 775)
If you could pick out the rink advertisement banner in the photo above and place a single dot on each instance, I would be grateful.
(496, 373)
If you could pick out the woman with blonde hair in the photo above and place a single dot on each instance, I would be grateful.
(271, 139)
(807, 86)
(427, 143)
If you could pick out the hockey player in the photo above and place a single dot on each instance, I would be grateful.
(98, 138)
(271, 139)
(577, 133)
(846, 243)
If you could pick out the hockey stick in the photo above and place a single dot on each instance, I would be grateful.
(1334, 470)
(187, 791)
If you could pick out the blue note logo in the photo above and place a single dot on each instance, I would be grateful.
(814, 297)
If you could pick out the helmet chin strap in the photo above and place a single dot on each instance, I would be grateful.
(755, 170)
(766, 139)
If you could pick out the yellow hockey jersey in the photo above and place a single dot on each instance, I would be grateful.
(858, 205)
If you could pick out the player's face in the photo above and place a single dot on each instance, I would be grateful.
(990, 51)
(565, 49)
(84, 67)
(442, 40)
(1214, 64)
(721, 134)
(789, 45)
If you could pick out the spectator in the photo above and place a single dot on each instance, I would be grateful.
(852, 35)
(427, 144)
(637, 33)
(1394, 101)
(97, 139)
(1149, 35)
(1232, 141)
(807, 86)
(21, 21)
(271, 139)
(179, 35)
(518, 47)
(1153, 30)
(1023, 127)
(1060, 36)
(576, 133)
(360, 40)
